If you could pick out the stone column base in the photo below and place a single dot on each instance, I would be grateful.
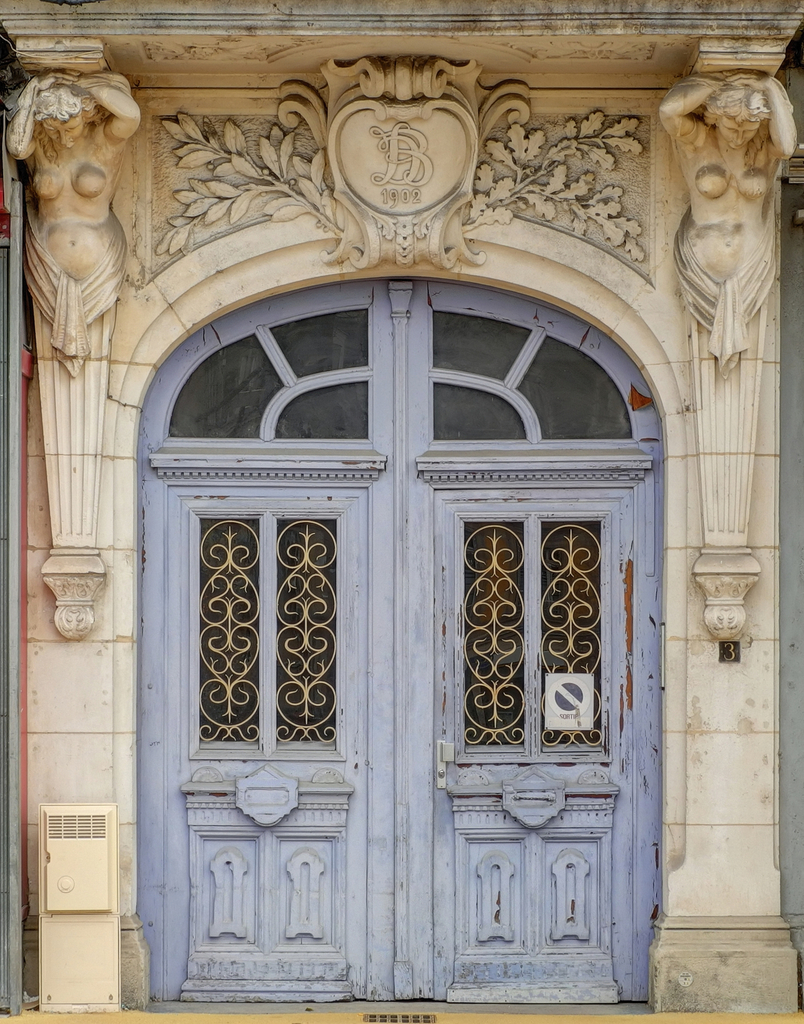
(135, 964)
(796, 922)
(723, 964)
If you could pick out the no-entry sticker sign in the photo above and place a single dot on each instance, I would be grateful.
(569, 701)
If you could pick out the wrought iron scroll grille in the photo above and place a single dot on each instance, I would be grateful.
(571, 639)
(493, 645)
(306, 639)
(230, 639)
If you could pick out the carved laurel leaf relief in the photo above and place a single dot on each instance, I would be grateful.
(278, 174)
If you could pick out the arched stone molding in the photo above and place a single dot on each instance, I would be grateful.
(625, 314)
(212, 281)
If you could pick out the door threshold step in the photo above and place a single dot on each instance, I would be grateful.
(400, 1013)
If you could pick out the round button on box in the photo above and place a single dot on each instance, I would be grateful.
(66, 884)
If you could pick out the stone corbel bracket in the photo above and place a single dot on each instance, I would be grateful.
(724, 578)
(76, 578)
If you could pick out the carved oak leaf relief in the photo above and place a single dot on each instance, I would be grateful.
(275, 177)
(553, 177)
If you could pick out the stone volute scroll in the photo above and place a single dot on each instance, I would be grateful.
(731, 129)
(71, 130)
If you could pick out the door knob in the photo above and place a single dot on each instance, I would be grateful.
(445, 753)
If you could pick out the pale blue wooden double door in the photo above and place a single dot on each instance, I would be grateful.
(399, 701)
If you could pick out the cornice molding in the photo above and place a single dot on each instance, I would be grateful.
(192, 465)
(467, 468)
(780, 18)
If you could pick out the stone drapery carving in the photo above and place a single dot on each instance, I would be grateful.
(730, 129)
(71, 130)
(405, 159)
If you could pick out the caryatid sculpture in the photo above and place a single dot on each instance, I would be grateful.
(71, 130)
(731, 129)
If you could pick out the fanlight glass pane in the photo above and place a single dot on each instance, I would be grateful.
(573, 396)
(493, 631)
(334, 341)
(227, 394)
(571, 634)
(306, 638)
(475, 345)
(229, 609)
(337, 412)
(464, 414)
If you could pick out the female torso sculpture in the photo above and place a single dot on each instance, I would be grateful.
(731, 129)
(71, 130)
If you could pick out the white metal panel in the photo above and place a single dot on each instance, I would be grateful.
(78, 846)
(79, 963)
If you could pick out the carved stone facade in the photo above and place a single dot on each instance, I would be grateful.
(731, 129)
(619, 170)
(71, 129)
(385, 193)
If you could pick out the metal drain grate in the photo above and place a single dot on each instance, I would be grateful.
(399, 1018)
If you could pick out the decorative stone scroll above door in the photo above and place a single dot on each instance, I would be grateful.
(402, 160)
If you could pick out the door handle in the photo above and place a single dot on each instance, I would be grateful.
(445, 753)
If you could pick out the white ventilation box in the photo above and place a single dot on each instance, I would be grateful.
(78, 855)
(79, 923)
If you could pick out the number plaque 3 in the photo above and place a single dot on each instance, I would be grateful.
(729, 651)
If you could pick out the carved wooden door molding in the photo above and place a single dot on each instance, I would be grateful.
(305, 605)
